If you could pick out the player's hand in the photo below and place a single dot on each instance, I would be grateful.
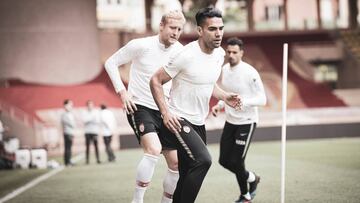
(129, 105)
(215, 110)
(233, 100)
(172, 122)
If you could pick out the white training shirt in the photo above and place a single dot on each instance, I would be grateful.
(108, 122)
(147, 56)
(244, 80)
(194, 74)
(91, 121)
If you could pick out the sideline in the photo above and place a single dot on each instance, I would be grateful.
(37, 180)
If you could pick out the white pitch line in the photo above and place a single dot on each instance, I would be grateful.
(36, 181)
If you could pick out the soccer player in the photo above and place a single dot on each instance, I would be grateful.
(147, 55)
(243, 79)
(194, 72)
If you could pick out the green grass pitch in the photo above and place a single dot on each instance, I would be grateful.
(318, 170)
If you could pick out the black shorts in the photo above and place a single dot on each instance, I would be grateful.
(145, 120)
(168, 139)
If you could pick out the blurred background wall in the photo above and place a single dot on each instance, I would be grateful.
(48, 41)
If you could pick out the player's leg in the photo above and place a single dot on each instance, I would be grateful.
(109, 149)
(171, 176)
(71, 138)
(146, 167)
(226, 147)
(183, 167)
(106, 142)
(67, 146)
(252, 178)
(169, 142)
(242, 142)
(197, 161)
(143, 125)
(87, 143)
(95, 141)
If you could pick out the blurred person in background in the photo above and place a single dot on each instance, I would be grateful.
(2, 129)
(91, 119)
(147, 55)
(68, 125)
(241, 78)
(108, 125)
(6, 159)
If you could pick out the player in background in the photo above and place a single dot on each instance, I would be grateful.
(243, 79)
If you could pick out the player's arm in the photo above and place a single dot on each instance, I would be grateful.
(86, 117)
(257, 88)
(156, 82)
(221, 104)
(121, 57)
(67, 121)
(217, 107)
(229, 98)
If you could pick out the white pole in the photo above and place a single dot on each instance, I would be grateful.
(283, 126)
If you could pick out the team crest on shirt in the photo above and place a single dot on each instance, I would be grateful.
(186, 129)
(141, 127)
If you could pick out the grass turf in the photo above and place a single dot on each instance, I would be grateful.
(323, 170)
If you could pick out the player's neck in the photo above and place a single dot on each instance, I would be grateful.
(234, 64)
(166, 45)
(204, 48)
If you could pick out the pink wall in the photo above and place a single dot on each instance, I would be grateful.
(305, 10)
(259, 8)
(299, 11)
(49, 42)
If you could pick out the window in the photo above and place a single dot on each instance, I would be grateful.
(326, 73)
(273, 12)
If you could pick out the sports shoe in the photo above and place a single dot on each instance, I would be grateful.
(243, 199)
(253, 186)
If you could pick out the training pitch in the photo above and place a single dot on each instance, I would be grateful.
(317, 170)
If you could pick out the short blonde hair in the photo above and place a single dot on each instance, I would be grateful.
(174, 14)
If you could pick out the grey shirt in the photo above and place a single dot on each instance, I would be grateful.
(68, 122)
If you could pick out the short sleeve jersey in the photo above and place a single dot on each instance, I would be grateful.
(194, 74)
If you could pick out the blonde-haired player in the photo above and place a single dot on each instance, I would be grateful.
(147, 55)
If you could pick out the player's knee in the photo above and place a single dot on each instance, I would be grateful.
(223, 163)
(173, 165)
(153, 150)
(206, 160)
(142, 184)
(168, 195)
(231, 166)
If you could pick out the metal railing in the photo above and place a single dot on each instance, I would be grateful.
(35, 125)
